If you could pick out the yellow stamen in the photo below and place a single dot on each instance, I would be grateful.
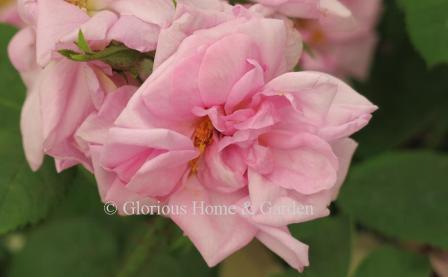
(5, 3)
(317, 37)
(203, 136)
(316, 34)
(82, 4)
(301, 23)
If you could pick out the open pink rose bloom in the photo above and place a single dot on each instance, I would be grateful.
(198, 101)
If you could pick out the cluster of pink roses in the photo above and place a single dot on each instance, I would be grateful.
(222, 117)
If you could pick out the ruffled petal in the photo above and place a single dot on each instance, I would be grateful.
(32, 129)
(215, 236)
(279, 240)
(323, 101)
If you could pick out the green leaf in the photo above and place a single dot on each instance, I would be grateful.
(427, 24)
(163, 265)
(74, 247)
(189, 263)
(412, 99)
(117, 55)
(171, 259)
(192, 264)
(326, 237)
(12, 91)
(145, 68)
(83, 44)
(74, 56)
(240, 2)
(390, 262)
(309, 50)
(120, 58)
(402, 195)
(255, 259)
(25, 197)
(134, 233)
(82, 200)
(143, 250)
(3, 258)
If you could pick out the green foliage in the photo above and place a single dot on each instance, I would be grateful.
(118, 56)
(186, 262)
(402, 195)
(79, 239)
(412, 99)
(82, 44)
(72, 247)
(240, 2)
(427, 24)
(12, 91)
(25, 197)
(326, 237)
(390, 262)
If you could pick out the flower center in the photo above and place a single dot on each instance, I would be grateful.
(4, 3)
(203, 136)
(317, 37)
(315, 34)
(82, 4)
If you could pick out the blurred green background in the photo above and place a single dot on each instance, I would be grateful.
(391, 218)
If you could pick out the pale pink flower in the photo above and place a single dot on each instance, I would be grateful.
(100, 22)
(332, 13)
(339, 45)
(188, 19)
(135, 23)
(66, 97)
(342, 53)
(60, 98)
(221, 121)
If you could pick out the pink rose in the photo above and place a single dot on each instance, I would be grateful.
(110, 20)
(220, 121)
(188, 19)
(63, 94)
(345, 53)
(100, 21)
(60, 98)
(332, 13)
